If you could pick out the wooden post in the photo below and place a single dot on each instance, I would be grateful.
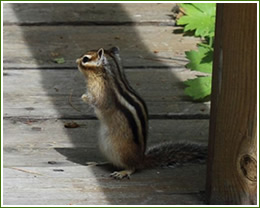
(232, 163)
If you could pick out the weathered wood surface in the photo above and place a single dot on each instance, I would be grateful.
(86, 185)
(45, 163)
(39, 153)
(47, 93)
(99, 14)
(37, 47)
(33, 143)
(232, 171)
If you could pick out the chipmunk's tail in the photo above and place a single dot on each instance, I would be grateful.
(174, 154)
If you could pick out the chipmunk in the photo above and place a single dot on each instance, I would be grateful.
(124, 118)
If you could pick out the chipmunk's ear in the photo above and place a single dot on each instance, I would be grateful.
(100, 54)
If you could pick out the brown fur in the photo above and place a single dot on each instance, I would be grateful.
(99, 85)
(121, 138)
(117, 138)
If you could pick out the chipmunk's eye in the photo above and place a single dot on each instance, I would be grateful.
(85, 59)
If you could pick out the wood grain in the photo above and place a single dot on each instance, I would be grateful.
(48, 162)
(85, 185)
(96, 14)
(33, 143)
(232, 165)
(38, 46)
(45, 93)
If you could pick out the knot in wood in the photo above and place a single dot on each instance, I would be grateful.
(248, 166)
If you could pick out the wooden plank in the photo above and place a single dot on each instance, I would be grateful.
(83, 185)
(45, 93)
(35, 131)
(140, 46)
(112, 13)
(44, 163)
(32, 143)
(232, 165)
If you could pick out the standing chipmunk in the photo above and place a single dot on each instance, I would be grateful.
(124, 118)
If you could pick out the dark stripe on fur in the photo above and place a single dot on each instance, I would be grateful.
(130, 118)
(128, 86)
(129, 99)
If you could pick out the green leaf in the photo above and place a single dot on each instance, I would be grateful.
(188, 8)
(199, 17)
(200, 60)
(198, 88)
(208, 8)
(59, 60)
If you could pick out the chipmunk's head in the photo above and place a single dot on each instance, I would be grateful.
(92, 62)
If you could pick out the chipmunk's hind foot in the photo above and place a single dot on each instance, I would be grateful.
(122, 174)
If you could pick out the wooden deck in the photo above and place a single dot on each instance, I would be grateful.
(44, 162)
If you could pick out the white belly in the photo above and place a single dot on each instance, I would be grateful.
(107, 148)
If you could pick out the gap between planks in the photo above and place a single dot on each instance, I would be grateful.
(92, 23)
(75, 68)
(90, 117)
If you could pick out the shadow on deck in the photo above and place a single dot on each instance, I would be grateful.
(34, 36)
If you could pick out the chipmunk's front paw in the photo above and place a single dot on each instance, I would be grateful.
(122, 174)
(85, 98)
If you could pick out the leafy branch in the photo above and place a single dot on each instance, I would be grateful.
(200, 19)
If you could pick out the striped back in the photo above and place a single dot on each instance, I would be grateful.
(136, 110)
